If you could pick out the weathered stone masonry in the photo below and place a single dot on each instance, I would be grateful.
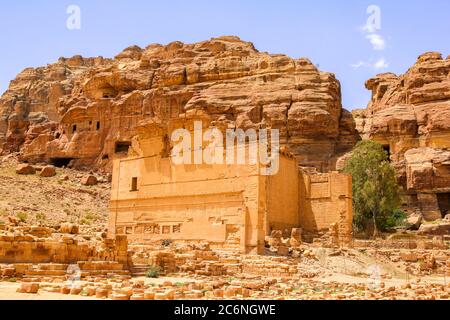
(227, 205)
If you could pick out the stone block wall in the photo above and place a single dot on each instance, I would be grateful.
(326, 202)
(67, 250)
(228, 204)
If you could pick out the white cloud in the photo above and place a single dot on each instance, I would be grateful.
(381, 64)
(371, 32)
(377, 41)
(359, 64)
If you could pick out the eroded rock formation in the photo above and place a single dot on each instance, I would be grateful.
(410, 116)
(85, 111)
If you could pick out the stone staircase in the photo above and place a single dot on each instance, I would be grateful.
(139, 270)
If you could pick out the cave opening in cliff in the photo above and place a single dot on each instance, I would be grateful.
(61, 162)
(387, 149)
(122, 147)
(444, 203)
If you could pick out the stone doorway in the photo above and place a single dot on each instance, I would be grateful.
(122, 147)
(444, 203)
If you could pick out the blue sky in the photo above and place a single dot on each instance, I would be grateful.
(331, 33)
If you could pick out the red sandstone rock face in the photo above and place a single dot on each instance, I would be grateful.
(410, 115)
(88, 109)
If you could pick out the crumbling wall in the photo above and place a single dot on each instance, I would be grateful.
(186, 202)
(326, 202)
(67, 250)
(282, 197)
(156, 199)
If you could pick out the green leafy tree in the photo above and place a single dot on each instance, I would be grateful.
(376, 194)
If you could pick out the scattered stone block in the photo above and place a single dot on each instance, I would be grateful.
(128, 291)
(69, 228)
(414, 221)
(48, 172)
(75, 291)
(229, 292)
(160, 296)
(101, 293)
(31, 288)
(89, 181)
(119, 297)
(89, 291)
(296, 238)
(25, 169)
(435, 229)
(65, 290)
(409, 257)
(149, 295)
(218, 293)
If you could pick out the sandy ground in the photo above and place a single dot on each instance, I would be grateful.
(8, 292)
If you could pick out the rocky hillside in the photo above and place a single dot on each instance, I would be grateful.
(47, 199)
(410, 116)
(84, 112)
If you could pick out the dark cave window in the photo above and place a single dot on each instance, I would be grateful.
(98, 125)
(134, 184)
(122, 147)
(74, 128)
(444, 203)
(61, 162)
(387, 148)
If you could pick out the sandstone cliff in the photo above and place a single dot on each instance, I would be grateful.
(86, 111)
(410, 116)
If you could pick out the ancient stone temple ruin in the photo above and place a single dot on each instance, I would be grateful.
(233, 206)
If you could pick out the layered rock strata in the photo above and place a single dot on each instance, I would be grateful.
(410, 116)
(84, 111)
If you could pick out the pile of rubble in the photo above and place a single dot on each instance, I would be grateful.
(241, 287)
(62, 261)
(28, 251)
